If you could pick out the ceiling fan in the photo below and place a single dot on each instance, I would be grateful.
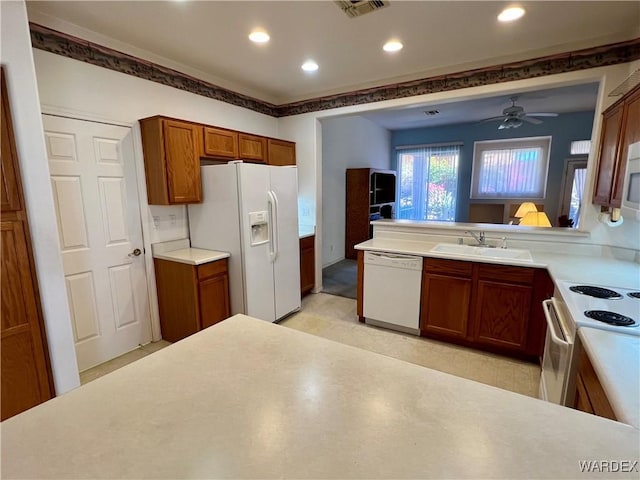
(514, 116)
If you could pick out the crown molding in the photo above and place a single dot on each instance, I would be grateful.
(52, 41)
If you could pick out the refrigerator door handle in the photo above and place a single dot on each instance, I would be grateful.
(272, 206)
(274, 229)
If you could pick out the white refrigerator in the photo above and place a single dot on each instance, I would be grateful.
(251, 211)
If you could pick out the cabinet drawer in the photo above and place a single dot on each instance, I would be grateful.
(220, 143)
(449, 267)
(281, 152)
(212, 268)
(307, 243)
(505, 273)
(252, 147)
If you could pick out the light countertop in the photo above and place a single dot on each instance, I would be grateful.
(247, 399)
(180, 251)
(616, 360)
(561, 266)
(306, 231)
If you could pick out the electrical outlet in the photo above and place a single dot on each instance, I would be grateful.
(172, 219)
(331, 248)
(156, 221)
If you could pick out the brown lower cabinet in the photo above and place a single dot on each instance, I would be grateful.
(492, 307)
(486, 306)
(191, 297)
(590, 396)
(307, 264)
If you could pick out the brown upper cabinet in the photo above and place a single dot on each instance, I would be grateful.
(172, 150)
(220, 143)
(620, 128)
(252, 147)
(281, 152)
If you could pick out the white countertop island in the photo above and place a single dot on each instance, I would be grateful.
(251, 399)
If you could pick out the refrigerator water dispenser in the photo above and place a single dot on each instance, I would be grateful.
(259, 227)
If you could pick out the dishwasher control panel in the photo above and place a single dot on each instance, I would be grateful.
(407, 262)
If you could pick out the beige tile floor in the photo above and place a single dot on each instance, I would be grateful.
(121, 361)
(334, 318)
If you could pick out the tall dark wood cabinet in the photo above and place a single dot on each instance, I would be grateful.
(26, 372)
(370, 195)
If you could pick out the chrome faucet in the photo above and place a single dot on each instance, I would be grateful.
(478, 238)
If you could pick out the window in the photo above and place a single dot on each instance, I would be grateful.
(428, 182)
(580, 147)
(515, 168)
(575, 174)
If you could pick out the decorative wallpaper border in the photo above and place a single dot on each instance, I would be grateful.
(60, 43)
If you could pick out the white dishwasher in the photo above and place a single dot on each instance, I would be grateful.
(391, 290)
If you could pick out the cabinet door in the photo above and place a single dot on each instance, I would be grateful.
(281, 152)
(25, 380)
(630, 134)
(590, 388)
(9, 187)
(252, 147)
(176, 284)
(501, 314)
(445, 305)
(612, 122)
(182, 156)
(214, 300)
(220, 143)
(581, 401)
(307, 265)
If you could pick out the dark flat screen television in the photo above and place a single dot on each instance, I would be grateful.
(384, 188)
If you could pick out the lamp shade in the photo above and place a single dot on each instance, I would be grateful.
(525, 208)
(535, 219)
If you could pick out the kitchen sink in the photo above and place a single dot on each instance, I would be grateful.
(482, 252)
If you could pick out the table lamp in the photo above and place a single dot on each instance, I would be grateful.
(525, 208)
(535, 219)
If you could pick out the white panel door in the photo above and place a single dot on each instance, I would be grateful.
(258, 269)
(286, 273)
(96, 199)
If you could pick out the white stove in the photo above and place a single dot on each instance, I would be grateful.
(585, 309)
(571, 308)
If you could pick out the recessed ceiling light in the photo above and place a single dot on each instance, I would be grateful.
(309, 66)
(259, 36)
(392, 46)
(510, 14)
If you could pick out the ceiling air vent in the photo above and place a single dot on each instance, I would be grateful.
(356, 8)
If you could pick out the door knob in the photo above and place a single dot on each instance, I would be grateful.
(136, 253)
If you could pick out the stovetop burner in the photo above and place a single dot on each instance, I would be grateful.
(634, 294)
(597, 292)
(611, 318)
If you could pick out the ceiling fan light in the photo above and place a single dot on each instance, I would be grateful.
(510, 122)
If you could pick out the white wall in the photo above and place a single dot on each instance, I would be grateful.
(23, 97)
(80, 90)
(347, 142)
